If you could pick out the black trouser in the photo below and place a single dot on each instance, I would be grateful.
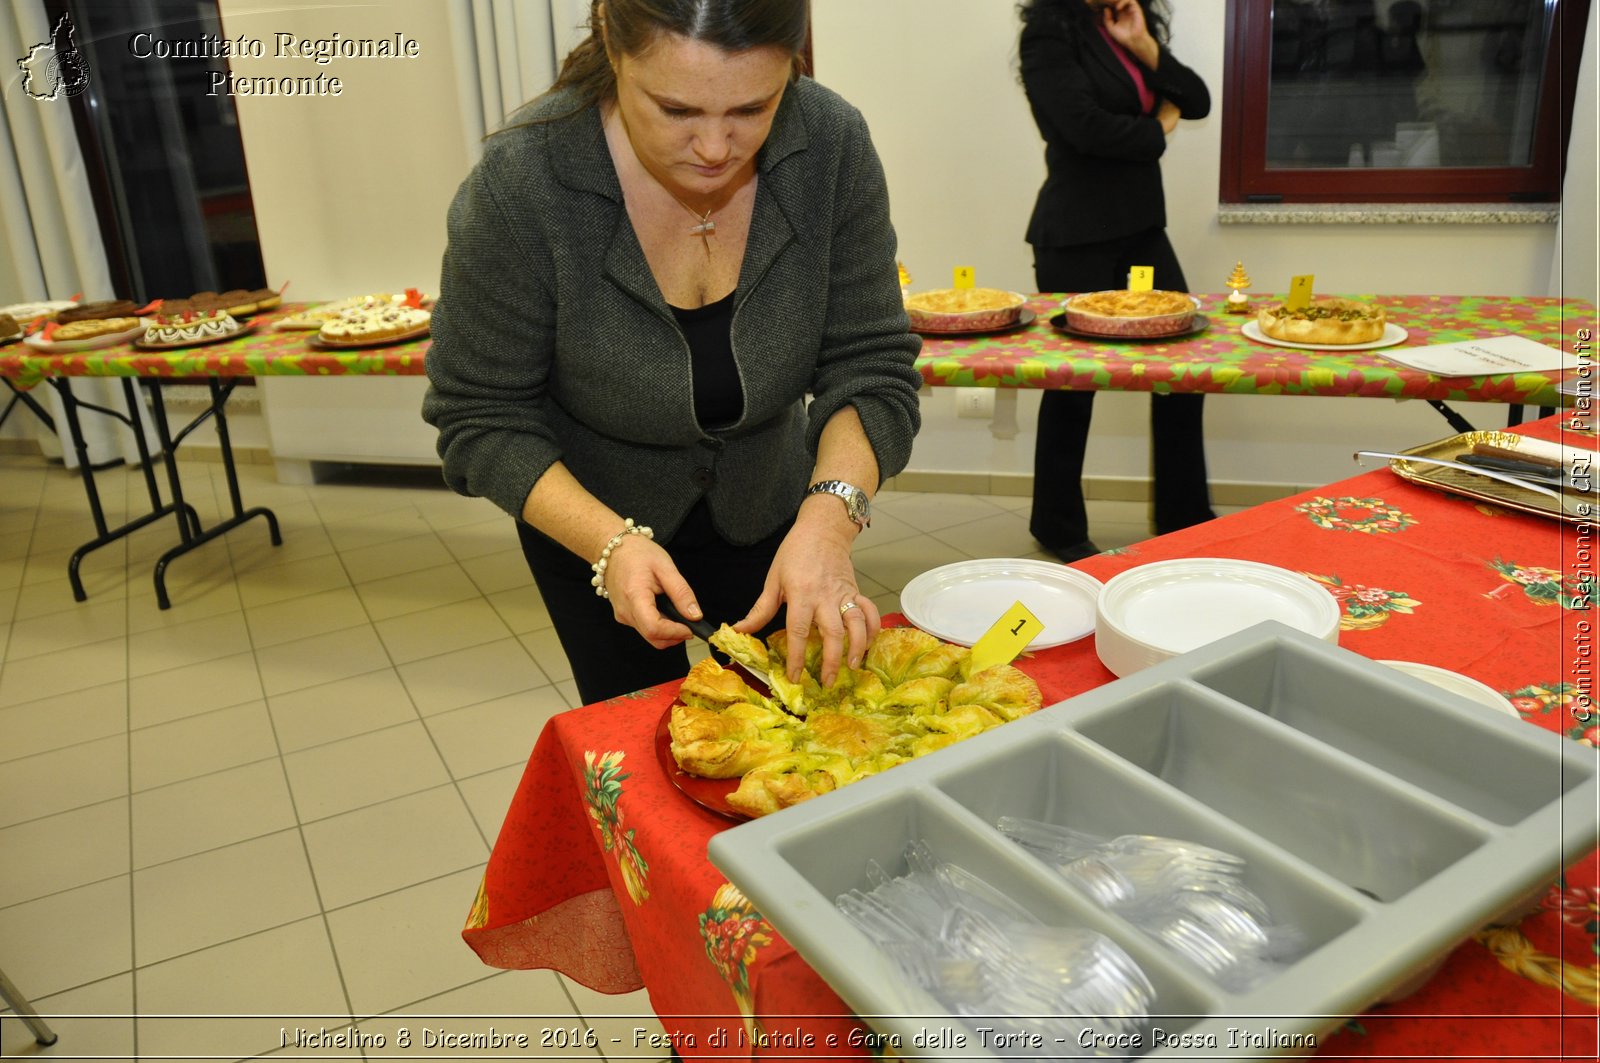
(1177, 442)
(609, 658)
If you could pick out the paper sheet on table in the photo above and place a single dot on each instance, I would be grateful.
(1492, 354)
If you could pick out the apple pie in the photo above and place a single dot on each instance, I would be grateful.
(964, 309)
(912, 695)
(1130, 314)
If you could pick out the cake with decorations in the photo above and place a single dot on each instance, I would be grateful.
(106, 310)
(375, 324)
(315, 317)
(189, 325)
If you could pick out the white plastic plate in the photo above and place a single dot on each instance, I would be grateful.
(959, 602)
(1392, 334)
(1177, 605)
(1455, 682)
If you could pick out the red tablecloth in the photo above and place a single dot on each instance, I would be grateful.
(600, 869)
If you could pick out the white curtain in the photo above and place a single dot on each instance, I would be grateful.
(51, 239)
(507, 52)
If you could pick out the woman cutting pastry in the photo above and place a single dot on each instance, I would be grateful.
(648, 272)
(1106, 94)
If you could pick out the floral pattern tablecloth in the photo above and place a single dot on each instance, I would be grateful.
(264, 352)
(1222, 359)
(1219, 359)
(600, 869)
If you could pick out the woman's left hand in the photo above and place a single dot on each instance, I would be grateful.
(813, 575)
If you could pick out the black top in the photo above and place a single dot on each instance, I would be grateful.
(718, 395)
(1102, 151)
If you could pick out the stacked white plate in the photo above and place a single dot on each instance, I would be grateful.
(1160, 610)
(1456, 683)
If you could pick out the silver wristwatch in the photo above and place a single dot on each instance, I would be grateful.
(855, 499)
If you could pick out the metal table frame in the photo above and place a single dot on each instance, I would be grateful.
(191, 533)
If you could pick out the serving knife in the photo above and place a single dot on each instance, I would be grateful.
(703, 630)
(1549, 475)
(1576, 506)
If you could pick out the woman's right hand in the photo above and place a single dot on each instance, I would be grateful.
(636, 572)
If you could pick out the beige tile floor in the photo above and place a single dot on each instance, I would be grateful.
(276, 798)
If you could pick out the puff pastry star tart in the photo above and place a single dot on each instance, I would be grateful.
(912, 695)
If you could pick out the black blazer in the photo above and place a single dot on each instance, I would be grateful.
(1102, 155)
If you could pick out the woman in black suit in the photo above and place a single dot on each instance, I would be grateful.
(1106, 93)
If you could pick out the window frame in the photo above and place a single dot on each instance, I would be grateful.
(1245, 177)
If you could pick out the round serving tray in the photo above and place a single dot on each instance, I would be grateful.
(388, 341)
(709, 794)
(1197, 324)
(1023, 320)
(203, 342)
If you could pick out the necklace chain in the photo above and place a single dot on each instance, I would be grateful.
(705, 228)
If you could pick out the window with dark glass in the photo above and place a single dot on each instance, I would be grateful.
(1399, 100)
(164, 158)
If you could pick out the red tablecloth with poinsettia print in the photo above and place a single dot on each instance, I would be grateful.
(600, 869)
(1222, 359)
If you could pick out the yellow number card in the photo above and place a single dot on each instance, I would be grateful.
(1141, 278)
(1300, 292)
(1008, 637)
(964, 277)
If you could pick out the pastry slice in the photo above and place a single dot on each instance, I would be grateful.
(905, 653)
(808, 695)
(724, 745)
(789, 781)
(1003, 690)
(918, 697)
(710, 685)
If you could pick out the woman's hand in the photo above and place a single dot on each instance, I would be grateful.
(636, 572)
(1124, 20)
(1168, 114)
(812, 574)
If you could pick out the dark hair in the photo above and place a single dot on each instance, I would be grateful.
(630, 27)
(1068, 12)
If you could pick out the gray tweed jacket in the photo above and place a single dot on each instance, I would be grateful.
(551, 340)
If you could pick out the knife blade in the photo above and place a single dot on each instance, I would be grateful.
(703, 630)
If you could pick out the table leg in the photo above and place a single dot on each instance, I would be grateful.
(1458, 422)
(219, 401)
(18, 396)
(69, 405)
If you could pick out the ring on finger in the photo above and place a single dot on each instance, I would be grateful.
(847, 606)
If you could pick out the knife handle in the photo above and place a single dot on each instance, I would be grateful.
(1489, 450)
(701, 627)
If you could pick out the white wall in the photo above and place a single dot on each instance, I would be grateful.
(351, 191)
(937, 80)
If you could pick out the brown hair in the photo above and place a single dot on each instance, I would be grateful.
(630, 27)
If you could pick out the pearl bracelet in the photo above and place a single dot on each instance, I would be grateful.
(628, 528)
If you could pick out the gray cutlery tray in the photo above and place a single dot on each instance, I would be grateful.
(1386, 818)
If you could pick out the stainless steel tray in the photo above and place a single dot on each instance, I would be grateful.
(1324, 770)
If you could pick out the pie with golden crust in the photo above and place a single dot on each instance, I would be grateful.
(1324, 322)
(964, 309)
(1131, 314)
(912, 695)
